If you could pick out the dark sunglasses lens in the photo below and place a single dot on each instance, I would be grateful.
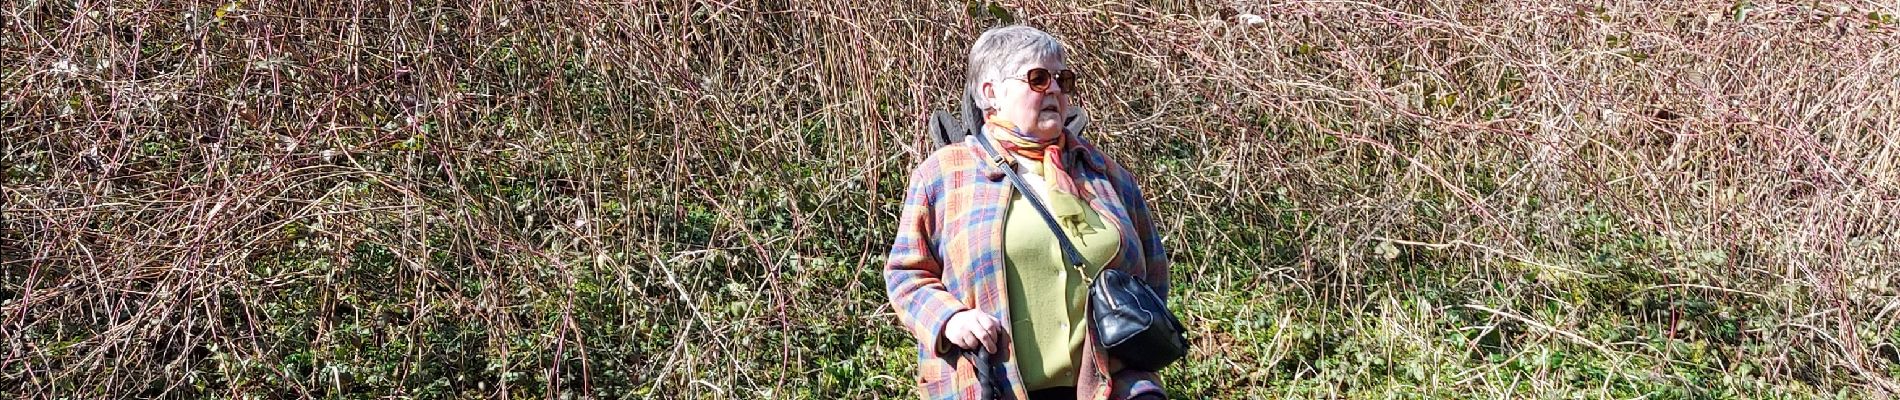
(1038, 79)
(1067, 80)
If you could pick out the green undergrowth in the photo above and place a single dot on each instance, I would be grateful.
(692, 199)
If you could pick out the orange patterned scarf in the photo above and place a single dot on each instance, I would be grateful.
(1066, 200)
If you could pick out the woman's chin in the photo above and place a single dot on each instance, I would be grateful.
(1048, 123)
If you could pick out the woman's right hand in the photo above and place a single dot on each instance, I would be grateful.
(971, 328)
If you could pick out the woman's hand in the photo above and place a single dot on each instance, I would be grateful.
(971, 328)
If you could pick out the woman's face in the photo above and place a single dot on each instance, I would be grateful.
(1038, 114)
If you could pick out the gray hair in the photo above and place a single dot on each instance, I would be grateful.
(1000, 50)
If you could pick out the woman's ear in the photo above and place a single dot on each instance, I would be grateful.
(989, 92)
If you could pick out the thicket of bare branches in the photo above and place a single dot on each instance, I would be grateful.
(691, 199)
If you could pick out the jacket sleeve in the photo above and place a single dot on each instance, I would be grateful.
(1131, 383)
(1155, 256)
(913, 274)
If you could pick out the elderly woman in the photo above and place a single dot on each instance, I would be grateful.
(975, 266)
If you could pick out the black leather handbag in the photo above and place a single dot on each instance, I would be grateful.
(1131, 322)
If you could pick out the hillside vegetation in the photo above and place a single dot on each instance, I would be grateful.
(693, 199)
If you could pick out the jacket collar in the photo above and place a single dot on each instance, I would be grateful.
(1083, 151)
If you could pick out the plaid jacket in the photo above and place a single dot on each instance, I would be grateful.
(948, 258)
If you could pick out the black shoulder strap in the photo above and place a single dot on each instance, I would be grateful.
(1003, 162)
(944, 129)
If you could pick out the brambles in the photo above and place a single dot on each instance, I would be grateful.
(692, 199)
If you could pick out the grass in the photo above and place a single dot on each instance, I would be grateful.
(692, 199)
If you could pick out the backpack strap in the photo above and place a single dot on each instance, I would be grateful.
(944, 129)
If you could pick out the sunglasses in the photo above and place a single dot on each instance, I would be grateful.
(1038, 80)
